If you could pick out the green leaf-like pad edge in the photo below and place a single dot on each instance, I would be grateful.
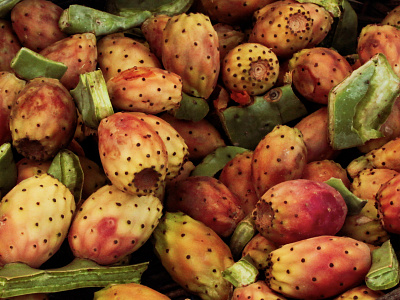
(20, 279)
(92, 98)
(242, 234)
(241, 273)
(216, 160)
(67, 169)
(354, 204)
(29, 64)
(384, 271)
(7, 179)
(6, 6)
(191, 108)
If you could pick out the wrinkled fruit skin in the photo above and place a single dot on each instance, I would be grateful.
(298, 209)
(319, 267)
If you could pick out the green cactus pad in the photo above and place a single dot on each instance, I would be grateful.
(361, 103)
(242, 272)
(80, 19)
(6, 6)
(216, 160)
(242, 234)
(384, 271)
(67, 169)
(192, 108)
(92, 98)
(29, 64)
(7, 179)
(332, 6)
(247, 125)
(19, 279)
(354, 204)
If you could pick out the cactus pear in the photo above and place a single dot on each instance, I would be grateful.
(9, 45)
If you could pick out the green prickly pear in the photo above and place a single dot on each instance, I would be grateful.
(194, 255)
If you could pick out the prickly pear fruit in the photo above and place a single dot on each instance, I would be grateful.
(9, 45)
(386, 156)
(279, 156)
(318, 267)
(93, 176)
(322, 22)
(201, 137)
(298, 209)
(10, 87)
(145, 89)
(228, 37)
(323, 170)
(208, 200)
(251, 68)
(36, 23)
(360, 292)
(392, 17)
(28, 167)
(236, 176)
(138, 164)
(78, 52)
(190, 50)
(43, 119)
(152, 29)
(194, 255)
(258, 290)
(128, 291)
(316, 71)
(117, 52)
(284, 26)
(388, 206)
(111, 224)
(314, 128)
(39, 211)
(258, 248)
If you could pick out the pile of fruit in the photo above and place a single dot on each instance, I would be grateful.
(211, 149)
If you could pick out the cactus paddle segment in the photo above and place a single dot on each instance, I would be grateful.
(241, 273)
(92, 98)
(384, 272)
(29, 64)
(7, 179)
(19, 279)
(192, 108)
(243, 233)
(6, 6)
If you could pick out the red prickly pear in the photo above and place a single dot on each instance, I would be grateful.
(201, 137)
(9, 45)
(117, 52)
(323, 170)
(28, 167)
(251, 68)
(190, 49)
(128, 291)
(145, 89)
(388, 205)
(36, 23)
(360, 292)
(138, 164)
(236, 175)
(258, 290)
(316, 71)
(111, 224)
(43, 119)
(10, 87)
(314, 128)
(228, 37)
(208, 200)
(194, 255)
(78, 52)
(258, 248)
(298, 209)
(38, 211)
(152, 29)
(319, 267)
(279, 156)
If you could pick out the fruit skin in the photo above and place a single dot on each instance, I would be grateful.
(258, 248)
(194, 255)
(145, 89)
(152, 29)
(35, 22)
(279, 156)
(299, 209)
(318, 267)
(28, 167)
(236, 175)
(323, 170)
(386, 156)
(10, 87)
(258, 290)
(93, 176)
(117, 52)
(35, 217)
(190, 49)
(388, 205)
(360, 292)
(138, 164)
(111, 224)
(208, 200)
(78, 52)
(9, 45)
(228, 38)
(314, 128)
(43, 119)
(316, 71)
(128, 291)
(251, 68)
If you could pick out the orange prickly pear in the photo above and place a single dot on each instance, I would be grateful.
(258, 290)
(152, 29)
(9, 45)
(128, 291)
(388, 205)
(258, 248)
(360, 292)
(228, 37)
(322, 170)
